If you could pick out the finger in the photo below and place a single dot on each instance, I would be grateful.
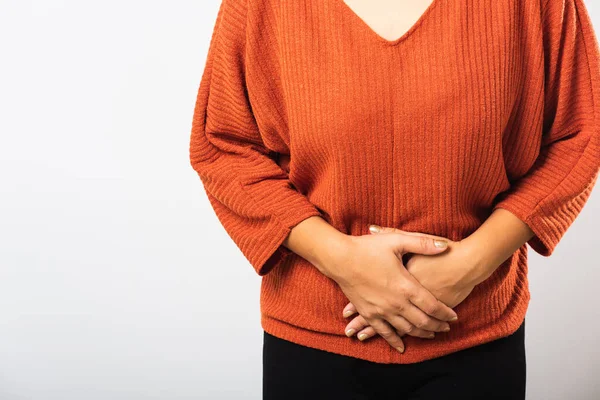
(349, 310)
(356, 325)
(386, 229)
(386, 331)
(427, 235)
(360, 325)
(408, 329)
(415, 316)
(418, 244)
(424, 300)
(398, 321)
(403, 327)
(366, 333)
(381, 229)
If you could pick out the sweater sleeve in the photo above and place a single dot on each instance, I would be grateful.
(251, 194)
(553, 192)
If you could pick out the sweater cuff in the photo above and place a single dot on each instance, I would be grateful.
(273, 253)
(549, 222)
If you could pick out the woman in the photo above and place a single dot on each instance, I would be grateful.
(463, 130)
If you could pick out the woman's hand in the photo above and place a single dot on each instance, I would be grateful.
(370, 272)
(446, 275)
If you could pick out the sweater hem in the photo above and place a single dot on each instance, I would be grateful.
(376, 349)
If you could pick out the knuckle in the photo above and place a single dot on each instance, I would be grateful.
(400, 307)
(371, 314)
(411, 293)
(409, 328)
(386, 333)
(379, 311)
(432, 308)
(406, 287)
(368, 316)
(422, 323)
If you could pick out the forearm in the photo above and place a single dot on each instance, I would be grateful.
(496, 239)
(317, 241)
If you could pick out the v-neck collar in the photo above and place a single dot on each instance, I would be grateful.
(370, 31)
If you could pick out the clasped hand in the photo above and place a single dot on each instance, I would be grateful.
(394, 298)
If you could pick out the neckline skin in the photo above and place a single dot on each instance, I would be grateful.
(362, 24)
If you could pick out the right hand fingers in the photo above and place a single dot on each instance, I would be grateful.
(421, 297)
(419, 308)
(404, 326)
(415, 317)
(365, 331)
(386, 331)
(425, 301)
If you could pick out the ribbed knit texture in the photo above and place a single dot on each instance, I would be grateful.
(304, 110)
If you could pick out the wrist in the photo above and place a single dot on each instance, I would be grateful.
(328, 251)
(488, 250)
(479, 266)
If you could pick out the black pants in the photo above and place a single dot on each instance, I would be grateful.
(493, 370)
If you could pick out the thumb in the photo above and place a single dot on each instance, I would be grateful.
(382, 229)
(419, 244)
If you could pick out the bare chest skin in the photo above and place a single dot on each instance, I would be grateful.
(389, 19)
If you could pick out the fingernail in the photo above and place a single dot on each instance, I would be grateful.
(432, 335)
(446, 329)
(348, 313)
(350, 332)
(440, 243)
(362, 336)
(400, 349)
(374, 228)
(454, 318)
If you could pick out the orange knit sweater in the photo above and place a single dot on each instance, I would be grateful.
(480, 105)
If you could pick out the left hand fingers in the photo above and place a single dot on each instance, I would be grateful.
(349, 310)
(357, 324)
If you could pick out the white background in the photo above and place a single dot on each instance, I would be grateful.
(116, 279)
